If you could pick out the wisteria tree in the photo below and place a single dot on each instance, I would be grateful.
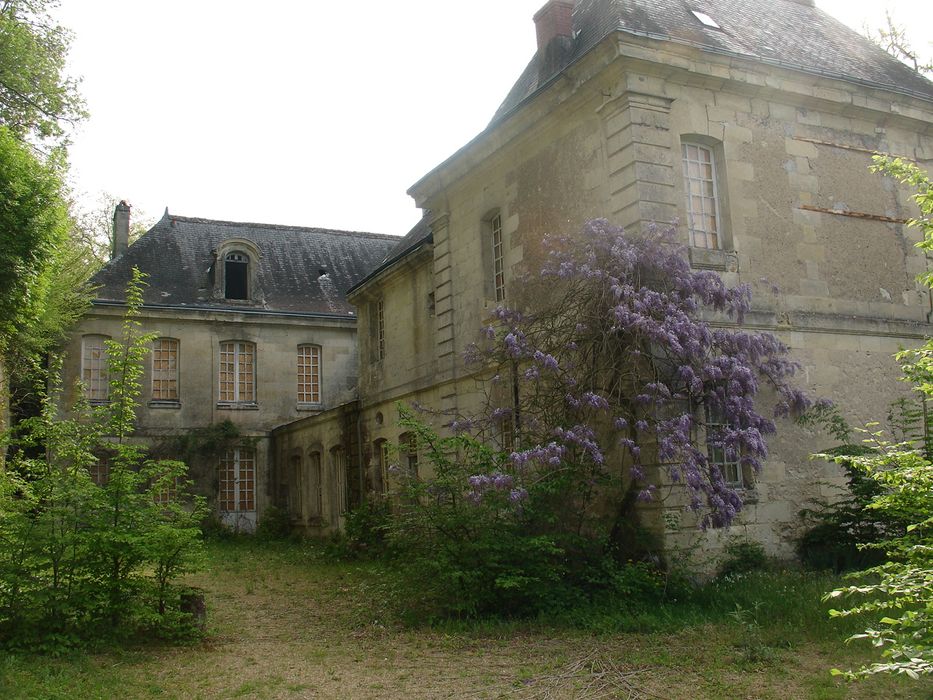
(620, 374)
(622, 364)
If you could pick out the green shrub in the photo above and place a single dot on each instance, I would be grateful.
(81, 560)
(742, 558)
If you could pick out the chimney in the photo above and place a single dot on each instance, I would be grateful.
(554, 27)
(121, 229)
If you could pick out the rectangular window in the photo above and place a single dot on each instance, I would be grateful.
(237, 481)
(237, 372)
(165, 369)
(702, 197)
(309, 374)
(716, 427)
(94, 372)
(167, 493)
(408, 453)
(498, 257)
(377, 330)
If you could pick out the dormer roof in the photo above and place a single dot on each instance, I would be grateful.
(299, 270)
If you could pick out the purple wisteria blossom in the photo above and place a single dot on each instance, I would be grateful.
(613, 371)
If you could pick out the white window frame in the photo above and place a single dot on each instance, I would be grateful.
(703, 191)
(731, 469)
(236, 488)
(165, 355)
(95, 374)
(241, 388)
(309, 375)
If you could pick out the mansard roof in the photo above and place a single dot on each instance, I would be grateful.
(420, 234)
(786, 33)
(299, 270)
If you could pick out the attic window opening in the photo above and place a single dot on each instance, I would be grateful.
(236, 276)
(705, 19)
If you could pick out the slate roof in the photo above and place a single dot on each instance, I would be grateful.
(777, 32)
(421, 233)
(301, 270)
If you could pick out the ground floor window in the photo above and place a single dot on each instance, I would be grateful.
(237, 488)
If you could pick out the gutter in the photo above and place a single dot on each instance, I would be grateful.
(214, 309)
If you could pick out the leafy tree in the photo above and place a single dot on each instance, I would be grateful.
(37, 99)
(899, 588)
(893, 39)
(83, 559)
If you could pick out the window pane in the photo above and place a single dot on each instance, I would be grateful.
(165, 369)
(94, 372)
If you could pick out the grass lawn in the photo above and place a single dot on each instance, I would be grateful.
(287, 623)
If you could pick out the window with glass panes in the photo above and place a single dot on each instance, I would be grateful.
(165, 369)
(94, 372)
(700, 187)
(309, 374)
(237, 481)
(498, 257)
(237, 372)
(716, 428)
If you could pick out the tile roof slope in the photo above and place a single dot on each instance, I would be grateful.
(177, 253)
(780, 32)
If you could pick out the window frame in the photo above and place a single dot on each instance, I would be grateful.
(731, 470)
(236, 482)
(95, 370)
(497, 241)
(236, 398)
(377, 330)
(242, 260)
(695, 231)
(169, 374)
(308, 382)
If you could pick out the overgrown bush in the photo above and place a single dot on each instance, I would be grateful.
(742, 558)
(81, 560)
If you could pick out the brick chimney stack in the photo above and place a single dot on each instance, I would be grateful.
(554, 27)
(121, 229)
(553, 20)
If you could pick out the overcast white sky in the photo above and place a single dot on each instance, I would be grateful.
(312, 113)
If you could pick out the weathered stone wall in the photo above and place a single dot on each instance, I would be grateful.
(199, 334)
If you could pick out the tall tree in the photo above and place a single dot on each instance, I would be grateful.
(893, 38)
(37, 99)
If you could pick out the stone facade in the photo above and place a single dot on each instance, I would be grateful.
(240, 339)
(798, 210)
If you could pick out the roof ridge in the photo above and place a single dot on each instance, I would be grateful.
(285, 227)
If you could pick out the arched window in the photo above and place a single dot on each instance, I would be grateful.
(408, 453)
(494, 255)
(381, 465)
(702, 196)
(315, 506)
(94, 373)
(236, 275)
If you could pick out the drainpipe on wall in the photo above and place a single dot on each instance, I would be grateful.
(359, 454)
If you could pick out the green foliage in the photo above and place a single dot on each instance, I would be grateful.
(899, 588)
(36, 97)
(275, 524)
(511, 552)
(742, 558)
(33, 224)
(81, 560)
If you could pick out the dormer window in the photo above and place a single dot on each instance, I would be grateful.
(705, 19)
(236, 275)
